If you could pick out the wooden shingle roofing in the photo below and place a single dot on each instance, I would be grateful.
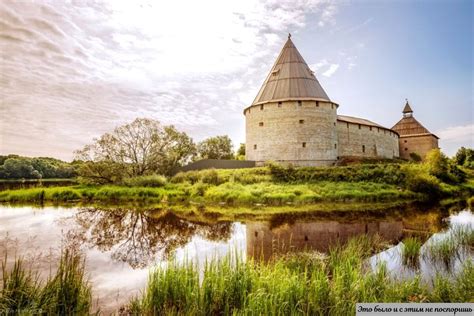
(290, 79)
(410, 126)
(361, 121)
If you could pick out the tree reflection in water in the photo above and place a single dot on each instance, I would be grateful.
(140, 238)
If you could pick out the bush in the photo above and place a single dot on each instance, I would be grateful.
(154, 181)
(426, 184)
(415, 157)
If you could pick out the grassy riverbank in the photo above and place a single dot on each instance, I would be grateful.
(304, 284)
(266, 186)
(293, 284)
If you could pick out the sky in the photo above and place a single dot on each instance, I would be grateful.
(73, 70)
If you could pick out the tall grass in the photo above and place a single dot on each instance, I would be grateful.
(67, 292)
(411, 251)
(290, 285)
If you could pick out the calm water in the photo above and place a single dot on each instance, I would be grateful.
(122, 245)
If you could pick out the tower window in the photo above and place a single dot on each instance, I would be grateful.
(301, 121)
(279, 104)
(255, 146)
(261, 107)
(404, 141)
(347, 125)
(299, 103)
(334, 123)
(335, 146)
(317, 103)
(332, 106)
(304, 145)
(359, 126)
(260, 124)
(256, 233)
(363, 148)
(406, 149)
(370, 127)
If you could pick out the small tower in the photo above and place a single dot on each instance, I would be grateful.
(407, 111)
(414, 137)
(292, 120)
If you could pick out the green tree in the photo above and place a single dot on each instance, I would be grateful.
(217, 147)
(241, 152)
(16, 168)
(464, 157)
(139, 148)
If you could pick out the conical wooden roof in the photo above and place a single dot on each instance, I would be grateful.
(290, 79)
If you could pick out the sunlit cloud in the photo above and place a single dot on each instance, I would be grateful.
(72, 71)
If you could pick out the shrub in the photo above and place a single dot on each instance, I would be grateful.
(425, 184)
(415, 157)
(155, 181)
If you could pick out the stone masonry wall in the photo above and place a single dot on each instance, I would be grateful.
(420, 144)
(365, 141)
(303, 133)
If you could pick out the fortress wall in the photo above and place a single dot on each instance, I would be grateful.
(282, 135)
(419, 144)
(378, 142)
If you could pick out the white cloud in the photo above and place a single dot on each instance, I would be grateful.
(452, 138)
(458, 133)
(71, 71)
(332, 69)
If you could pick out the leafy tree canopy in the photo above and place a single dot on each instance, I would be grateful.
(217, 147)
(17, 167)
(140, 148)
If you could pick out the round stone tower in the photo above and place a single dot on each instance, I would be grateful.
(292, 120)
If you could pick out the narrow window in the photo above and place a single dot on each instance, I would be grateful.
(260, 124)
(279, 104)
(254, 146)
(332, 106)
(317, 104)
(406, 149)
(334, 123)
(378, 130)
(261, 107)
(347, 125)
(370, 127)
(363, 148)
(305, 238)
(335, 146)
(404, 141)
(304, 145)
(299, 103)
(359, 126)
(256, 233)
(301, 121)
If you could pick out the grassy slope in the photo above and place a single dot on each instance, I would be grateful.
(259, 187)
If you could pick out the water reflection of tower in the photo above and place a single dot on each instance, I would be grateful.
(262, 240)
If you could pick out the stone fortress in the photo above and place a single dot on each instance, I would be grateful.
(293, 121)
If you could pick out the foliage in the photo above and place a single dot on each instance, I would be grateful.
(67, 292)
(290, 285)
(153, 180)
(465, 157)
(411, 251)
(379, 173)
(16, 167)
(240, 154)
(218, 147)
(415, 157)
(140, 148)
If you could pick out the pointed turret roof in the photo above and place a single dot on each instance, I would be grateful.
(408, 125)
(407, 108)
(290, 79)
